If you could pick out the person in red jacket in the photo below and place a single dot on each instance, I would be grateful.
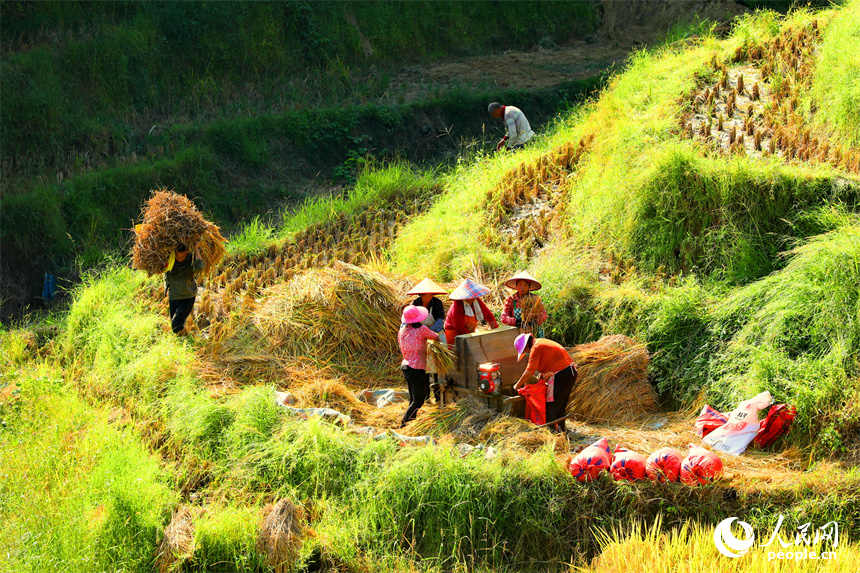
(467, 310)
(554, 363)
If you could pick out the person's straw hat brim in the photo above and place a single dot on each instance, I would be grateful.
(523, 276)
(427, 286)
(468, 289)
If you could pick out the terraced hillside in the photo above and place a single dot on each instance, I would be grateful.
(703, 205)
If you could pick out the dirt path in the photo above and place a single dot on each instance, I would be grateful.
(521, 70)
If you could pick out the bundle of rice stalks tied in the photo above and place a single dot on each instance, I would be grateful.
(335, 314)
(502, 428)
(328, 393)
(178, 542)
(455, 419)
(441, 357)
(613, 380)
(168, 220)
(281, 534)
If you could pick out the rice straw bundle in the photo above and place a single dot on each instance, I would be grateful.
(457, 419)
(613, 380)
(441, 357)
(532, 307)
(170, 219)
(281, 534)
(341, 314)
(178, 542)
(502, 428)
(328, 393)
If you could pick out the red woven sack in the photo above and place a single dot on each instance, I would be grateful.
(535, 395)
(700, 466)
(627, 465)
(591, 461)
(777, 423)
(664, 465)
(709, 420)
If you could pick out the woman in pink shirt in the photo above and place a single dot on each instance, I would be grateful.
(413, 338)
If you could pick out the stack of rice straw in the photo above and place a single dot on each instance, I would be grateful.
(281, 535)
(340, 313)
(170, 219)
(612, 384)
(177, 545)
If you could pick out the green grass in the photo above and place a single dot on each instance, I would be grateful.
(836, 87)
(78, 493)
(767, 299)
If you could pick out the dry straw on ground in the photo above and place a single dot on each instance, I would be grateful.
(168, 220)
(341, 313)
(613, 380)
(178, 542)
(281, 535)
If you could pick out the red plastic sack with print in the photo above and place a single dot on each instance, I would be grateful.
(664, 465)
(777, 423)
(709, 420)
(627, 465)
(591, 461)
(700, 466)
(535, 395)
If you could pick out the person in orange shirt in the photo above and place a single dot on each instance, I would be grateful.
(554, 363)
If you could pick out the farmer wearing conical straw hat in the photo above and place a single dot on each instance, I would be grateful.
(181, 286)
(556, 368)
(412, 339)
(467, 310)
(435, 321)
(524, 309)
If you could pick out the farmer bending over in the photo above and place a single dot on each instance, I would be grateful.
(180, 283)
(519, 130)
(552, 360)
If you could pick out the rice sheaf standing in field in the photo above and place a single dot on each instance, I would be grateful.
(412, 339)
(524, 309)
(180, 282)
(435, 321)
(556, 367)
(519, 131)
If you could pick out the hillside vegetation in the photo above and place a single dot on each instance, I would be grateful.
(736, 263)
(248, 107)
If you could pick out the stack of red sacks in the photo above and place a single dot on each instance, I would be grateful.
(665, 465)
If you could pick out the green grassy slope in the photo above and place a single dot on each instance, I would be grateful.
(740, 274)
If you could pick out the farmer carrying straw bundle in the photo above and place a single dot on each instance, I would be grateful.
(172, 227)
(524, 309)
(181, 285)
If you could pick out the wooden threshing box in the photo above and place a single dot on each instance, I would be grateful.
(491, 346)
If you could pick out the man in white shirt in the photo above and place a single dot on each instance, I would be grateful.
(519, 130)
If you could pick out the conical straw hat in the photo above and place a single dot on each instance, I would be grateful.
(523, 276)
(427, 286)
(468, 289)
